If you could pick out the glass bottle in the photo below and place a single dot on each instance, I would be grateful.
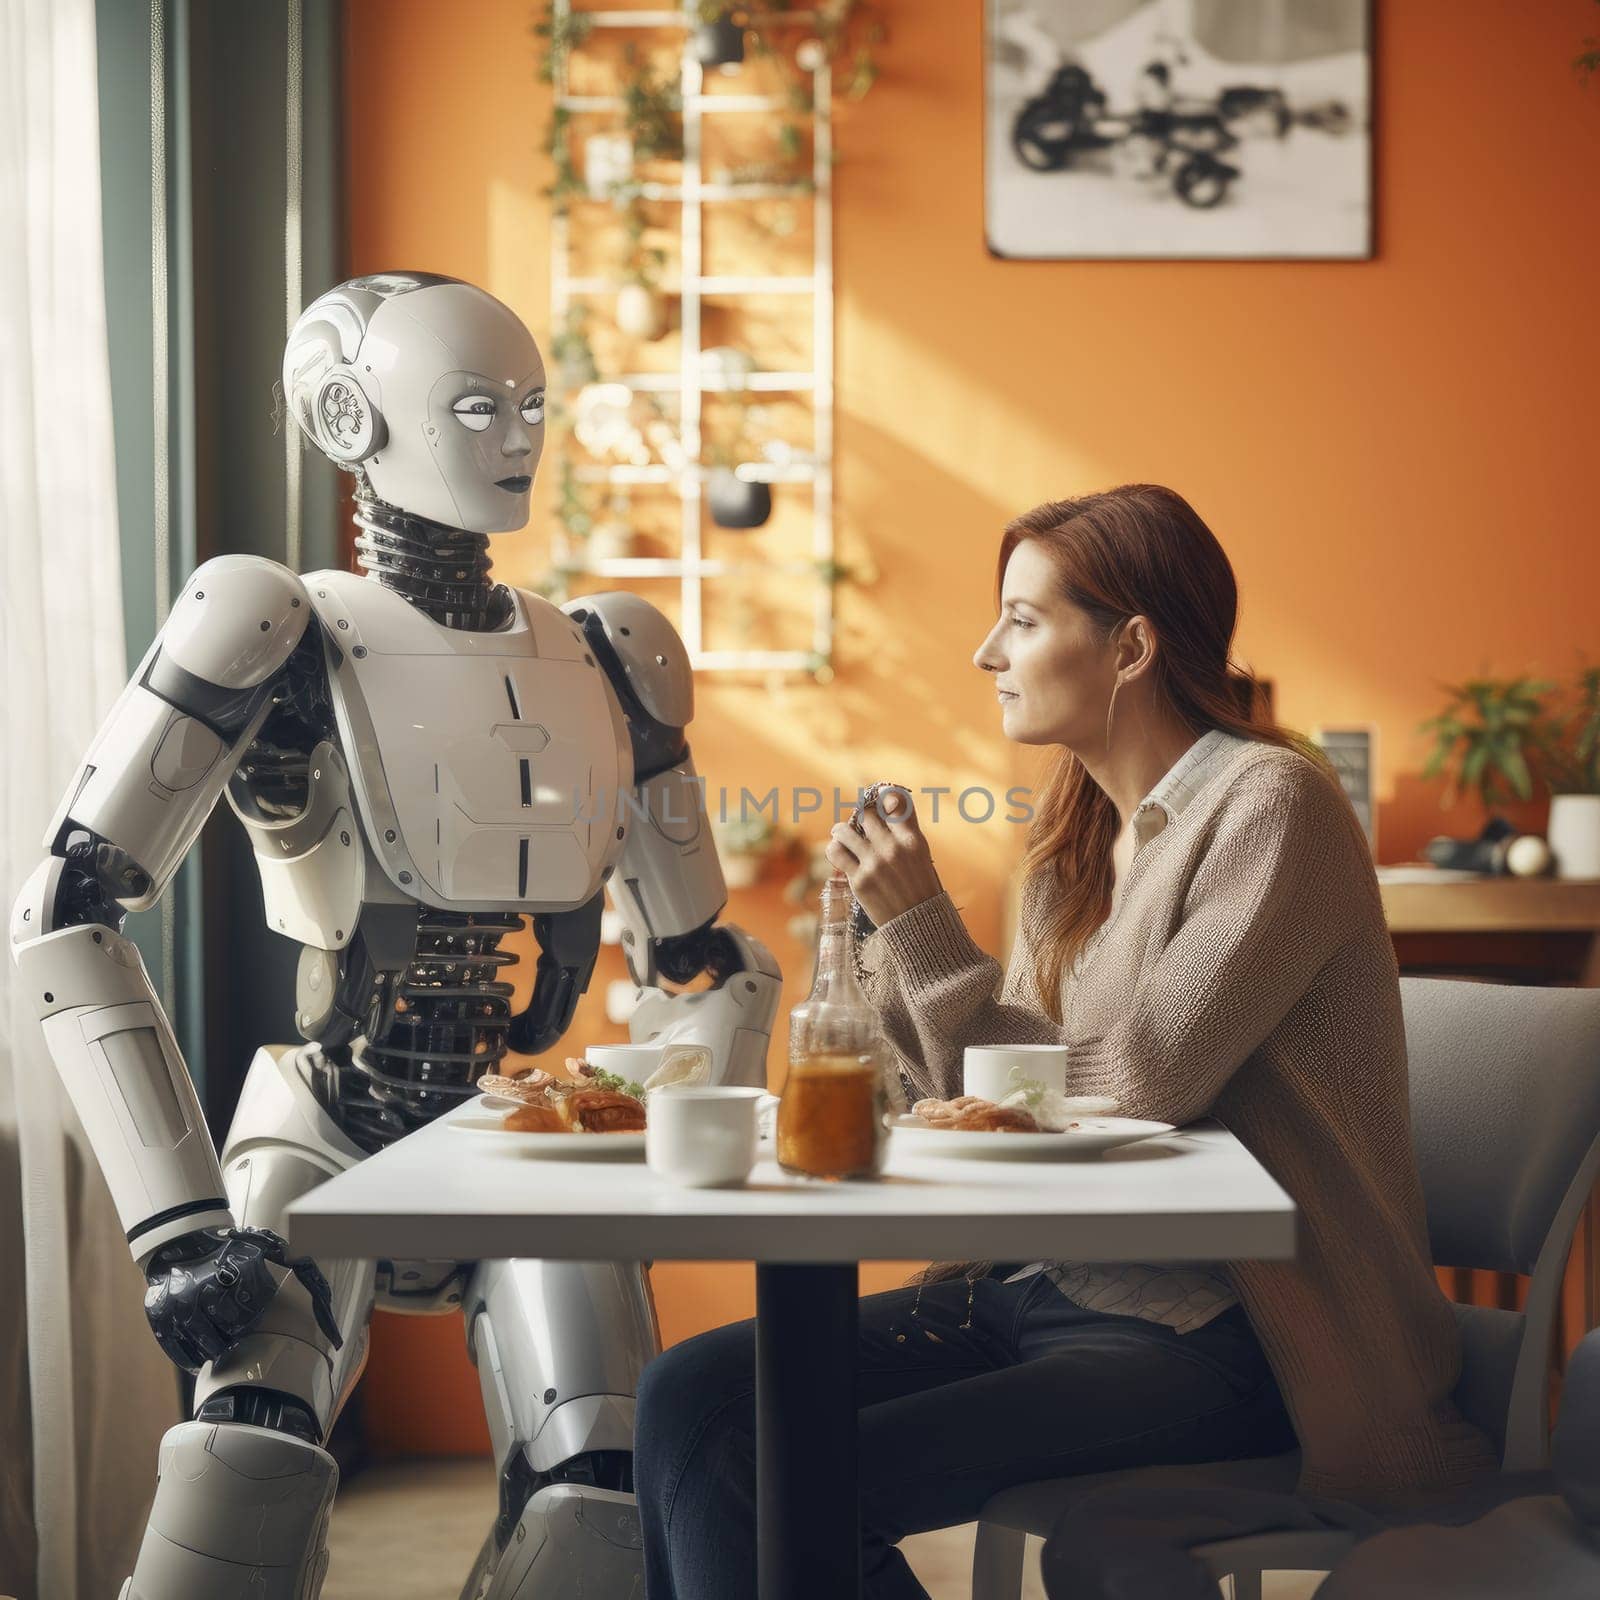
(831, 1116)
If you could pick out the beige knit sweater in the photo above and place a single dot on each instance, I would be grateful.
(1248, 976)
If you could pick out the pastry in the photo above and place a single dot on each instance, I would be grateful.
(533, 1119)
(989, 1118)
(968, 1113)
(601, 1111)
(943, 1113)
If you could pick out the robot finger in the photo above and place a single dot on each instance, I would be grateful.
(307, 1271)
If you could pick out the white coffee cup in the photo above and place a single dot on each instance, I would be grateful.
(635, 1062)
(992, 1071)
(703, 1137)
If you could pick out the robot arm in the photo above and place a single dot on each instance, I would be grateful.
(668, 888)
(130, 814)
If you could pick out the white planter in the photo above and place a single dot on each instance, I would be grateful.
(740, 871)
(1575, 835)
(607, 162)
(641, 312)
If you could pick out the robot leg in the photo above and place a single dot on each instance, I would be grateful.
(282, 1145)
(240, 1513)
(559, 1348)
(242, 1506)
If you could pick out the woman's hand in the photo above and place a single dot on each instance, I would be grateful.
(889, 866)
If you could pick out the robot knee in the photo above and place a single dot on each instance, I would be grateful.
(262, 1408)
(240, 1512)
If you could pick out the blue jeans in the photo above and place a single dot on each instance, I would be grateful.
(978, 1387)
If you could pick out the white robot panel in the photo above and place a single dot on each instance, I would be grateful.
(484, 764)
(173, 738)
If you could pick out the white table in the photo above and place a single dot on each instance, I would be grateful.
(1193, 1196)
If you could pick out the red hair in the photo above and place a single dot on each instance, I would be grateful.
(1140, 550)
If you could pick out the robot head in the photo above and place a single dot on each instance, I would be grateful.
(429, 388)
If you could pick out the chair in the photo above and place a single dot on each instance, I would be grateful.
(1545, 1543)
(1505, 1112)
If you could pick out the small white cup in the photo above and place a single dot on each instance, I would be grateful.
(702, 1137)
(635, 1062)
(987, 1069)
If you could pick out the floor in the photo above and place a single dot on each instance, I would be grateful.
(444, 1508)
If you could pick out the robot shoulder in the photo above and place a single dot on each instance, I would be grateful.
(237, 622)
(641, 652)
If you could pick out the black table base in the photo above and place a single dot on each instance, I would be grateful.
(807, 1500)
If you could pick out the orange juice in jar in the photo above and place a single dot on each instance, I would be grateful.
(830, 1120)
(831, 1116)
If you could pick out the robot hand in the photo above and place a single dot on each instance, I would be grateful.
(209, 1288)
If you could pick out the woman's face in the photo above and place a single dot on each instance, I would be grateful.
(1052, 673)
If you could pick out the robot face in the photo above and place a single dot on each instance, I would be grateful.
(486, 435)
(460, 383)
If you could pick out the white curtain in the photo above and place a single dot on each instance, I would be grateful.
(84, 1393)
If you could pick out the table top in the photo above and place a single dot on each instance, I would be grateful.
(448, 1194)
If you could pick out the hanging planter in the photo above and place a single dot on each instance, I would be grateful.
(641, 311)
(718, 42)
(737, 502)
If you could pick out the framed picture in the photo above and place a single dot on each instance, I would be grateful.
(1178, 129)
(1353, 752)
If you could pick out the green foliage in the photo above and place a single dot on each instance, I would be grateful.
(1587, 61)
(572, 509)
(1497, 737)
(747, 835)
(1572, 749)
(1483, 737)
(571, 350)
(651, 107)
(561, 35)
(558, 146)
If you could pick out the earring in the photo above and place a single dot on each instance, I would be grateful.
(1111, 711)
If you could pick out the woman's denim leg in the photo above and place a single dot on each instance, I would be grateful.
(1093, 1392)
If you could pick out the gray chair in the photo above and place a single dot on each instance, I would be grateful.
(1505, 1111)
(1546, 1543)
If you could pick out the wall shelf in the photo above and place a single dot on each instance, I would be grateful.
(692, 288)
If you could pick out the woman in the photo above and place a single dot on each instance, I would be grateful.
(1200, 926)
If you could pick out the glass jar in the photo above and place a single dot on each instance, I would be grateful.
(831, 1116)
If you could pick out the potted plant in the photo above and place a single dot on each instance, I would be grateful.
(1572, 756)
(641, 307)
(735, 499)
(743, 846)
(1483, 738)
(717, 42)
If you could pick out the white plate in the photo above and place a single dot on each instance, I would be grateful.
(558, 1146)
(1090, 1137)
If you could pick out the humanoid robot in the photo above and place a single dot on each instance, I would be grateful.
(422, 757)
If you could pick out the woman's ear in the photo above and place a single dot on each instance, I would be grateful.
(1136, 649)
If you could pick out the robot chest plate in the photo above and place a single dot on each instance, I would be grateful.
(486, 767)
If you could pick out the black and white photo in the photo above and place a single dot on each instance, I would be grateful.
(1172, 129)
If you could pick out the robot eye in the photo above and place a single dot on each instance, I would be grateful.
(533, 409)
(475, 411)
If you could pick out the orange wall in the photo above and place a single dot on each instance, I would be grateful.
(1394, 453)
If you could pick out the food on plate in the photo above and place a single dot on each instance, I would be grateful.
(1056, 1112)
(534, 1119)
(968, 1113)
(682, 1065)
(990, 1118)
(600, 1111)
(527, 1088)
(587, 1099)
